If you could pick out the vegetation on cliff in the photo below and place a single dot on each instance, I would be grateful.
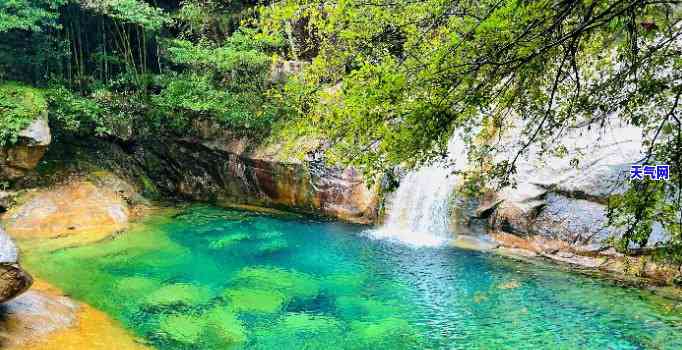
(386, 82)
(19, 105)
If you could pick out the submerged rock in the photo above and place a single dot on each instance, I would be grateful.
(178, 294)
(255, 300)
(187, 329)
(292, 284)
(218, 325)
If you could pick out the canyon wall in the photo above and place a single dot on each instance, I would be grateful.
(226, 174)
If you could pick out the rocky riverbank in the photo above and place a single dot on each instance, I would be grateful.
(557, 209)
(44, 318)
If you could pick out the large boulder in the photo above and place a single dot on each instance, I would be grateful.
(13, 279)
(562, 196)
(24, 155)
(80, 206)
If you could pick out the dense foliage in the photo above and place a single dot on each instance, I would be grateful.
(125, 68)
(386, 82)
(19, 105)
(392, 80)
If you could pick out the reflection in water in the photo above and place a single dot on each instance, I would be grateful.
(219, 279)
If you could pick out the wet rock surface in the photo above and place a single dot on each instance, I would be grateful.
(13, 279)
(217, 172)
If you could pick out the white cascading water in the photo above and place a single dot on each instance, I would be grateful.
(419, 212)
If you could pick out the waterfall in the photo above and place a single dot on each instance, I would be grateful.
(419, 212)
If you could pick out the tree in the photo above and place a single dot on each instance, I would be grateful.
(402, 75)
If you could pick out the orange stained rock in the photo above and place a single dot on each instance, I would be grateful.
(77, 207)
(91, 329)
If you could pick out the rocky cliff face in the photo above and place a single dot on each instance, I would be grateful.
(223, 173)
(23, 156)
(564, 198)
(15, 162)
(558, 207)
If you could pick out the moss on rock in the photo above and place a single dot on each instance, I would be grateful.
(178, 294)
(255, 300)
(19, 105)
(292, 284)
(187, 329)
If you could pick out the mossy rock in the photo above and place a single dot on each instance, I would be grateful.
(186, 329)
(389, 333)
(274, 246)
(255, 300)
(350, 307)
(178, 294)
(292, 284)
(224, 326)
(227, 241)
(19, 106)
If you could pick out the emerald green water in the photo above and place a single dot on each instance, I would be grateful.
(210, 278)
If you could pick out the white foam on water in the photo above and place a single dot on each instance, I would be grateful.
(420, 211)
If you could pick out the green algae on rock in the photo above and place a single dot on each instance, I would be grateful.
(224, 327)
(255, 300)
(227, 241)
(291, 283)
(186, 329)
(178, 294)
(220, 326)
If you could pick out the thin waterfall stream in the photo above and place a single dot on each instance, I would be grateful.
(419, 212)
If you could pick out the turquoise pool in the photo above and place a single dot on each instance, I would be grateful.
(209, 278)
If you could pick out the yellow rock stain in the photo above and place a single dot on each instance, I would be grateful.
(92, 330)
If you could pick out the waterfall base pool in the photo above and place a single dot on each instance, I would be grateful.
(209, 278)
